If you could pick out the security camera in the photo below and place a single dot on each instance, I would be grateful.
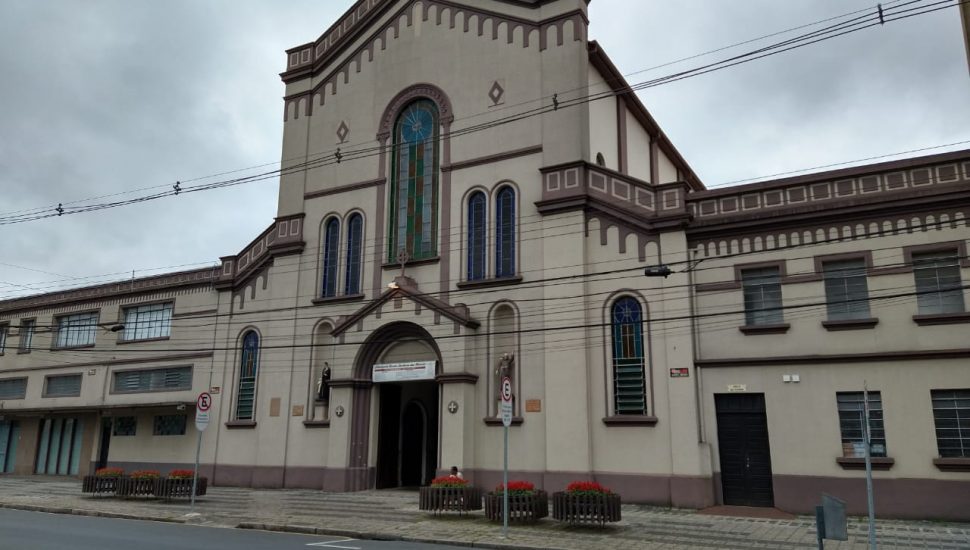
(180, 407)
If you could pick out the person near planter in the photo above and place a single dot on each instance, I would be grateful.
(456, 473)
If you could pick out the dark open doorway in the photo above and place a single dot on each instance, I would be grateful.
(742, 436)
(407, 446)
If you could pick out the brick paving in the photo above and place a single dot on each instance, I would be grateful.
(394, 514)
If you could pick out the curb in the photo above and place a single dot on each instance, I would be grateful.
(369, 535)
(83, 512)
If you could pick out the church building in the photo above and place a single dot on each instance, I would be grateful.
(469, 190)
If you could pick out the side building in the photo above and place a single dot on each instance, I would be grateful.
(426, 244)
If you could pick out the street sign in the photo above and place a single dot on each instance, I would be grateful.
(506, 401)
(202, 406)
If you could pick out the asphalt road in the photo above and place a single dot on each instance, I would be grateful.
(20, 530)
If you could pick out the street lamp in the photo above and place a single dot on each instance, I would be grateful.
(661, 270)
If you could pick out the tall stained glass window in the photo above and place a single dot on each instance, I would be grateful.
(414, 182)
(248, 371)
(629, 382)
(505, 233)
(476, 236)
(355, 234)
(331, 249)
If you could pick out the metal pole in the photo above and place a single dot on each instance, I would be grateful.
(505, 493)
(195, 472)
(868, 442)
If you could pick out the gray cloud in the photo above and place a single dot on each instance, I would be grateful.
(112, 95)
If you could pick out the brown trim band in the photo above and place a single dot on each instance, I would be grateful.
(344, 188)
(489, 159)
(941, 319)
(630, 420)
(779, 328)
(959, 353)
(495, 421)
(111, 362)
(456, 378)
(850, 324)
(856, 463)
(316, 423)
(952, 464)
(338, 299)
(485, 283)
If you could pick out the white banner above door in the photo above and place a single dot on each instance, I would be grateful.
(402, 372)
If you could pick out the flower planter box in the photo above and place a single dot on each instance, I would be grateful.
(170, 488)
(523, 508)
(99, 485)
(450, 499)
(586, 508)
(137, 487)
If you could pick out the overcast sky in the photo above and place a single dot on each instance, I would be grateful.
(107, 96)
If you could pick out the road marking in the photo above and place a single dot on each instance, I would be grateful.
(333, 544)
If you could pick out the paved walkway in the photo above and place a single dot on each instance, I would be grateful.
(394, 515)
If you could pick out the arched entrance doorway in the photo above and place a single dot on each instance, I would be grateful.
(407, 423)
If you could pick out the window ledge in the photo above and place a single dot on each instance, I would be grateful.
(850, 324)
(68, 348)
(241, 424)
(952, 464)
(941, 319)
(139, 341)
(497, 421)
(630, 420)
(485, 283)
(316, 423)
(338, 299)
(423, 261)
(765, 329)
(856, 463)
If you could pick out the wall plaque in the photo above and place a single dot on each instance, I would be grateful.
(533, 405)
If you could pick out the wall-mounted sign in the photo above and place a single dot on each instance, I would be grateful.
(737, 388)
(533, 405)
(679, 372)
(402, 372)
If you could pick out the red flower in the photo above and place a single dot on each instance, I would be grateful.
(517, 488)
(109, 472)
(448, 481)
(181, 474)
(587, 488)
(145, 474)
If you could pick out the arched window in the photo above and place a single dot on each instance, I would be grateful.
(629, 382)
(505, 233)
(414, 182)
(331, 249)
(355, 233)
(476, 236)
(248, 371)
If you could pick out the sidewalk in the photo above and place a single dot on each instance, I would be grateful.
(394, 515)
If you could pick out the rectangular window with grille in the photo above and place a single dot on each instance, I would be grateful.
(67, 385)
(149, 380)
(13, 388)
(26, 335)
(4, 329)
(938, 284)
(147, 322)
(169, 424)
(852, 423)
(125, 425)
(762, 296)
(76, 330)
(846, 289)
(951, 413)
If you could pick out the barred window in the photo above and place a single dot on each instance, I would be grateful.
(76, 330)
(938, 282)
(66, 385)
(248, 372)
(476, 237)
(762, 296)
(169, 424)
(26, 335)
(951, 414)
(505, 233)
(125, 425)
(167, 379)
(846, 289)
(355, 243)
(331, 248)
(147, 322)
(852, 423)
(13, 388)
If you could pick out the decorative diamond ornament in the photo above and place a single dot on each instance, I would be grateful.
(496, 93)
(342, 132)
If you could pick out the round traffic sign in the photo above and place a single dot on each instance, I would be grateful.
(204, 401)
(506, 388)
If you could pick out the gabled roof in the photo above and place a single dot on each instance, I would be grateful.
(406, 287)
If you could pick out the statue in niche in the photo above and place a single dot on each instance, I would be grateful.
(323, 386)
(506, 367)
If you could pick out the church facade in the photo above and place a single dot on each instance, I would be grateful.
(470, 190)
